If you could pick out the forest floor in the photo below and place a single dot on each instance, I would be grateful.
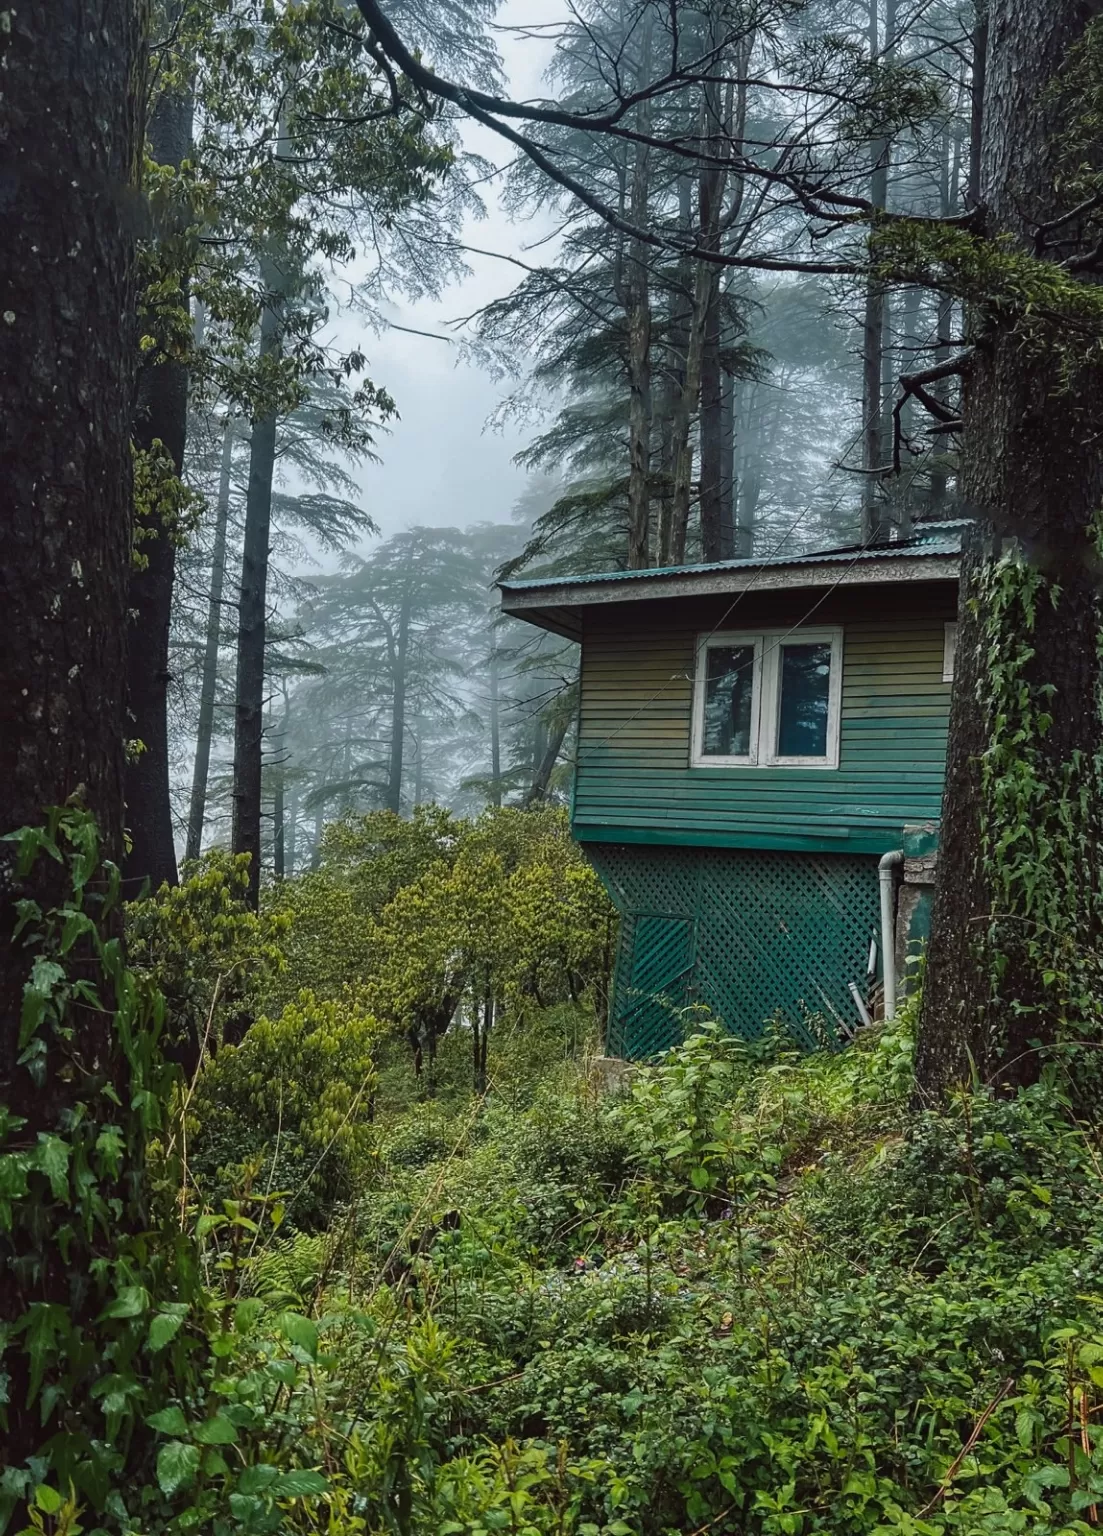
(753, 1292)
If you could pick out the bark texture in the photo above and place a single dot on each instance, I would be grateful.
(69, 111)
(68, 141)
(1033, 474)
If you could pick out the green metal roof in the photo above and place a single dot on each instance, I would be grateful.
(933, 553)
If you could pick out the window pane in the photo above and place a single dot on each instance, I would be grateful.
(802, 710)
(729, 688)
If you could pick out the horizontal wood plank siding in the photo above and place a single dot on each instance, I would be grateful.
(636, 704)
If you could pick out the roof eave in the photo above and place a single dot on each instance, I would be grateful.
(557, 608)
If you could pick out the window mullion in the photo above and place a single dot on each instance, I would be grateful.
(767, 717)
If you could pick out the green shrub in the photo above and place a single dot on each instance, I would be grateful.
(294, 1100)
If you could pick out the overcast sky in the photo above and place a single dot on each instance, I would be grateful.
(442, 464)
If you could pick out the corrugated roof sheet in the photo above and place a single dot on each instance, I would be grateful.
(934, 539)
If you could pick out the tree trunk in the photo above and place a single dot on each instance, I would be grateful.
(162, 417)
(70, 140)
(875, 522)
(70, 135)
(279, 831)
(639, 416)
(715, 529)
(549, 756)
(674, 418)
(948, 202)
(495, 732)
(727, 465)
(204, 732)
(1018, 911)
(482, 1036)
(253, 605)
(316, 842)
(685, 406)
(638, 308)
(291, 833)
(398, 704)
(979, 88)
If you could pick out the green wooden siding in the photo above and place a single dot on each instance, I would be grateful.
(634, 782)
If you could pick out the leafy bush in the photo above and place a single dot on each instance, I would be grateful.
(206, 952)
(294, 1099)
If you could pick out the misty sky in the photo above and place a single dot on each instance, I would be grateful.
(441, 463)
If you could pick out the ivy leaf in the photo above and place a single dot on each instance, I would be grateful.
(76, 924)
(177, 1465)
(45, 975)
(131, 1301)
(300, 1330)
(170, 1421)
(299, 1484)
(43, 1321)
(162, 1329)
(52, 1158)
(111, 1145)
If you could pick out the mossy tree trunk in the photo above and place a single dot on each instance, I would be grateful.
(1010, 963)
(162, 417)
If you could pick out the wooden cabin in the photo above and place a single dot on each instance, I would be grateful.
(754, 736)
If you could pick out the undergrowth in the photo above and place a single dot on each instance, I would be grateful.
(755, 1293)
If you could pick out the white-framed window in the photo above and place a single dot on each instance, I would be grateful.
(768, 699)
(949, 651)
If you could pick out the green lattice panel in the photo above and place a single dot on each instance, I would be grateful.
(784, 933)
(762, 933)
(654, 979)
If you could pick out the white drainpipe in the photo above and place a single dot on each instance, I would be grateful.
(886, 874)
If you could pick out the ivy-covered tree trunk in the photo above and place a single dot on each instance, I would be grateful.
(1012, 953)
(162, 418)
(69, 141)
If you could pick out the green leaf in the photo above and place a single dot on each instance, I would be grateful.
(257, 1479)
(216, 1431)
(162, 1329)
(300, 1330)
(51, 1157)
(111, 1145)
(170, 1421)
(47, 1499)
(243, 1506)
(177, 1465)
(246, 1314)
(43, 1321)
(297, 1485)
(131, 1301)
